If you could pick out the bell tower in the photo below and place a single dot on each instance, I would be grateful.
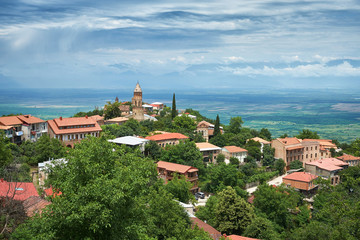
(137, 109)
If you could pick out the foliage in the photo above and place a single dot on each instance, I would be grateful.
(114, 131)
(184, 124)
(207, 213)
(112, 110)
(5, 151)
(173, 109)
(261, 228)
(179, 187)
(268, 156)
(354, 148)
(296, 164)
(96, 111)
(218, 140)
(261, 177)
(235, 125)
(233, 214)
(265, 134)
(279, 165)
(306, 133)
(220, 158)
(47, 148)
(152, 150)
(217, 126)
(234, 161)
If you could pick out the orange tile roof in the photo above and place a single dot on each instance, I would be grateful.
(75, 122)
(235, 149)
(20, 190)
(5, 127)
(260, 140)
(30, 119)
(166, 136)
(174, 167)
(97, 117)
(118, 119)
(51, 193)
(204, 122)
(293, 148)
(10, 120)
(237, 237)
(301, 177)
(289, 141)
(214, 234)
(205, 145)
(329, 164)
(34, 204)
(348, 158)
(324, 142)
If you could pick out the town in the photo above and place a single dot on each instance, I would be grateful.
(149, 171)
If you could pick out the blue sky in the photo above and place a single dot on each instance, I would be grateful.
(228, 44)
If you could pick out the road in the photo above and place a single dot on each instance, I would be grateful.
(276, 181)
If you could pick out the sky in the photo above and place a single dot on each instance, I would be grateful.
(228, 44)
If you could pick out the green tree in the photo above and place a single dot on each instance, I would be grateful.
(153, 150)
(233, 213)
(279, 166)
(179, 187)
(5, 151)
(114, 131)
(234, 161)
(173, 109)
(261, 228)
(296, 164)
(235, 125)
(112, 110)
(184, 124)
(306, 133)
(285, 135)
(217, 126)
(265, 134)
(207, 213)
(268, 156)
(218, 140)
(220, 158)
(47, 148)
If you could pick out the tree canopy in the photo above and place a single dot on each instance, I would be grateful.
(306, 133)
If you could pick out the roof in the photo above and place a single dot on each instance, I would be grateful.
(237, 237)
(129, 140)
(235, 149)
(97, 117)
(50, 192)
(260, 140)
(147, 106)
(348, 158)
(301, 177)
(30, 119)
(34, 204)
(166, 136)
(124, 108)
(81, 121)
(137, 88)
(289, 141)
(44, 166)
(5, 127)
(329, 164)
(206, 124)
(293, 148)
(19, 190)
(156, 103)
(118, 119)
(10, 120)
(324, 142)
(174, 167)
(214, 234)
(204, 146)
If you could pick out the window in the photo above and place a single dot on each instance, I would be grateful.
(315, 147)
(307, 149)
(315, 154)
(311, 148)
(307, 155)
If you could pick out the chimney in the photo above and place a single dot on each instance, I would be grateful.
(86, 116)
(60, 118)
(1, 180)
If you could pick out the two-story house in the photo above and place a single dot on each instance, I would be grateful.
(206, 129)
(300, 180)
(209, 151)
(326, 168)
(236, 152)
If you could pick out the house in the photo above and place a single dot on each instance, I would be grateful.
(72, 130)
(125, 109)
(214, 234)
(148, 108)
(167, 138)
(19, 191)
(206, 129)
(117, 120)
(300, 180)
(351, 160)
(326, 168)
(321, 149)
(209, 151)
(99, 119)
(236, 152)
(263, 142)
(131, 142)
(167, 169)
(24, 127)
(157, 105)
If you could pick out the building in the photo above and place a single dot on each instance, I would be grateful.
(206, 129)
(125, 109)
(117, 120)
(19, 191)
(73, 130)
(24, 127)
(157, 105)
(147, 108)
(236, 152)
(351, 160)
(307, 150)
(326, 168)
(300, 180)
(237, 237)
(263, 142)
(131, 142)
(99, 119)
(209, 151)
(166, 171)
(167, 138)
(214, 234)
(137, 109)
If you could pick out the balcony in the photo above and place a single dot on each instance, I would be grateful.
(19, 133)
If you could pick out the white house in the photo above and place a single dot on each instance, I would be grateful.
(131, 142)
(234, 151)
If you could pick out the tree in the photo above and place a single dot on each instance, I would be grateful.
(261, 228)
(112, 110)
(279, 166)
(184, 124)
(5, 151)
(306, 133)
(235, 125)
(218, 140)
(217, 126)
(207, 213)
(268, 156)
(153, 150)
(220, 158)
(265, 134)
(234, 161)
(179, 187)
(233, 213)
(173, 109)
(285, 135)
(296, 164)
(47, 148)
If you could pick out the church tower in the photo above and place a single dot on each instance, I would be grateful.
(137, 109)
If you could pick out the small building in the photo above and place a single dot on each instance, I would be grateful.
(73, 130)
(131, 142)
(263, 142)
(351, 160)
(117, 120)
(300, 180)
(166, 171)
(209, 151)
(206, 129)
(148, 108)
(125, 109)
(326, 168)
(99, 119)
(236, 152)
(19, 191)
(167, 139)
(157, 105)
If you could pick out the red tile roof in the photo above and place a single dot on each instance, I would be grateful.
(30, 119)
(166, 136)
(214, 234)
(235, 149)
(293, 148)
(51, 193)
(10, 120)
(301, 177)
(80, 121)
(348, 158)
(204, 146)
(237, 237)
(329, 164)
(207, 124)
(18, 190)
(66, 122)
(97, 117)
(260, 140)
(289, 141)
(174, 167)
(5, 127)
(324, 142)
(34, 204)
